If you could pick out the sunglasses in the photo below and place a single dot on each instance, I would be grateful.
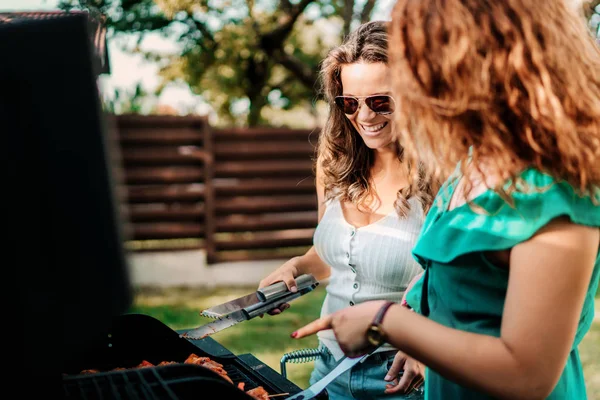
(380, 104)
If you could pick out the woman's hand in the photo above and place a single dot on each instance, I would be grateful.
(349, 326)
(411, 379)
(286, 273)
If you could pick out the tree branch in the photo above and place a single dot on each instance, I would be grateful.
(348, 14)
(286, 6)
(365, 15)
(206, 34)
(274, 39)
(300, 70)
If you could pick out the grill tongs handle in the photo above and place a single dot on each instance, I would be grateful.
(273, 296)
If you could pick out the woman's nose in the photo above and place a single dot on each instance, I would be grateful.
(364, 112)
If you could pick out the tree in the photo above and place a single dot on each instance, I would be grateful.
(261, 53)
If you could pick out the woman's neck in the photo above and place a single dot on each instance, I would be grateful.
(386, 158)
(386, 164)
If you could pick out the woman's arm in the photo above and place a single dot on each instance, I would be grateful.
(549, 277)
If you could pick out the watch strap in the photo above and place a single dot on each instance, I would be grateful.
(381, 313)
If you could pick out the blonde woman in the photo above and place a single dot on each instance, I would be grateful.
(370, 213)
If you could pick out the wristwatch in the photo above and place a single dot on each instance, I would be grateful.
(375, 334)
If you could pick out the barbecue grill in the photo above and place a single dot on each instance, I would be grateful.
(133, 338)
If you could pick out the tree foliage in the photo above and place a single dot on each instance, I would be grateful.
(258, 53)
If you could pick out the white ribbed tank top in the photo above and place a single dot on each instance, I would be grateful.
(373, 262)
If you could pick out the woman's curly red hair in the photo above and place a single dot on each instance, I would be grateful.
(512, 82)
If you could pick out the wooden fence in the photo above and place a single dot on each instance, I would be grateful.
(241, 194)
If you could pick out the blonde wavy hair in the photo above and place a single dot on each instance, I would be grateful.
(344, 158)
(511, 82)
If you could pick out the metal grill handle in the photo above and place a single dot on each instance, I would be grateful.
(298, 356)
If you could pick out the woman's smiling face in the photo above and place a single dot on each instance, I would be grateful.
(368, 79)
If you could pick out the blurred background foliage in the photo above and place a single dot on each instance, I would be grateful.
(250, 60)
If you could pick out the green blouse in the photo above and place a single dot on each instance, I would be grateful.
(462, 289)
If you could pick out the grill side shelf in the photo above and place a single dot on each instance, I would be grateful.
(279, 383)
(209, 346)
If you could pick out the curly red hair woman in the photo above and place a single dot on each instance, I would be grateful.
(502, 99)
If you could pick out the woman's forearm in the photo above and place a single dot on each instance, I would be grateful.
(311, 263)
(479, 361)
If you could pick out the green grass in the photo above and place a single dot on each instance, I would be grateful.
(590, 359)
(268, 338)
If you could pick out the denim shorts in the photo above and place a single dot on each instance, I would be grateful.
(363, 381)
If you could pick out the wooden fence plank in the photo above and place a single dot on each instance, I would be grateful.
(167, 174)
(262, 134)
(266, 222)
(210, 199)
(264, 168)
(164, 230)
(265, 204)
(185, 155)
(289, 186)
(269, 150)
(159, 136)
(162, 212)
(153, 120)
(192, 192)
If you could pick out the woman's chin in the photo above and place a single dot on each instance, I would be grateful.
(378, 142)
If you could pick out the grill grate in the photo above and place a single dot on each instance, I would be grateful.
(172, 382)
(238, 376)
(139, 384)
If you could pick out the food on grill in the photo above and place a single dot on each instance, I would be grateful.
(258, 393)
(145, 364)
(210, 364)
(89, 371)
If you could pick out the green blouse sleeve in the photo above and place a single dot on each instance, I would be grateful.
(491, 224)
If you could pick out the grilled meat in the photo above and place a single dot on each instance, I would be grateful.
(258, 393)
(145, 364)
(89, 371)
(206, 362)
